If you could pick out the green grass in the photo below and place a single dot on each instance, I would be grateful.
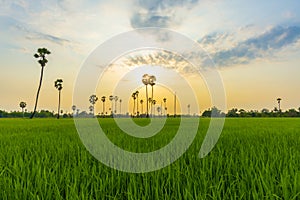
(254, 159)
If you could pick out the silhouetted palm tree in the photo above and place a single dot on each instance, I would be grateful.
(91, 108)
(120, 106)
(74, 109)
(165, 101)
(278, 100)
(111, 98)
(58, 85)
(154, 102)
(142, 105)
(152, 80)
(134, 98)
(116, 100)
(93, 99)
(137, 102)
(145, 81)
(103, 104)
(41, 56)
(23, 105)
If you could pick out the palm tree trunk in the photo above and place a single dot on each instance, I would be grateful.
(23, 112)
(152, 101)
(142, 108)
(58, 104)
(133, 107)
(103, 108)
(137, 105)
(147, 115)
(38, 93)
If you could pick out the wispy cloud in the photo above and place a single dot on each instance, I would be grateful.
(260, 46)
(157, 13)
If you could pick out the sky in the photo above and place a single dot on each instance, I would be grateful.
(255, 46)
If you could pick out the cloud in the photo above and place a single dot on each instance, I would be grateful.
(163, 14)
(260, 46)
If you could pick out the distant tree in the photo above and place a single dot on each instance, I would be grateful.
(116, 98)
(278, 101)
(265, 112)
(142, 105)
(137, 102)
(158, 109)
(120, 106)
(154, 103)
(23, 105)
(111, 98)
(165, 101)
(41, 56)
(74, 109)
(93, 99)
(133, 95)
(91, 108)
(59, 87)
(145, 81)
(233, 113)
(189, 109)
(103, 102)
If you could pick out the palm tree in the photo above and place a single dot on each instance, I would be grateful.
(111, 98)
(165, 101)
(154, 102)
(278, 100)
(91, 108)
(152, 80)
(142, 101)
(58, 85)
(158, 110)
(137, 102)
(120, 106)
(145, 81)
(189, 109)
(23, 105)
(134, 98)
(41, 56)
(116, 100)
(93, 99)
(150, 102)
(73, 108)
(103, 102)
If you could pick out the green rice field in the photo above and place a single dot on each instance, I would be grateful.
(255, 158)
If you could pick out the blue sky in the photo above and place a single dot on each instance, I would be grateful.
(255, 44)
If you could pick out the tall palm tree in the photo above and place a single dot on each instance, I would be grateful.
(152, 80)
(142, 106)
(58, 85)
(23, 105)
(93, 99)
(41, 56)
(116, 100)
(150, 102)
(165, 101)
(134, 98)
(278, 100)
(74, 109)
(111, 98)
(103, 104)
(137, 102)
(145, 81)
